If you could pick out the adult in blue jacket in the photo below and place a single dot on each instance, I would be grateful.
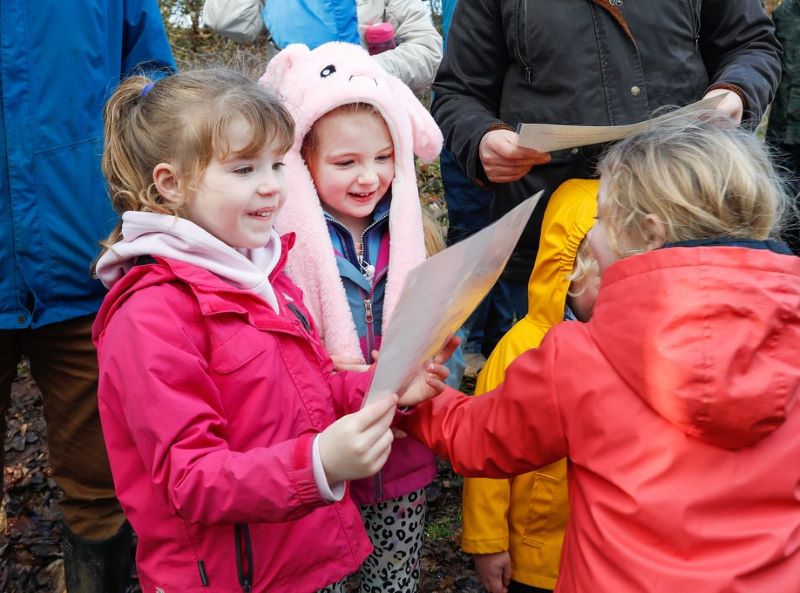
(59, 61)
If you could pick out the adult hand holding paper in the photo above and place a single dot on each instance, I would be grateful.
(549, 137)
(438, 297)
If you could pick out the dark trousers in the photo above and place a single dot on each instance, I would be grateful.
(468, 211)
(63, 363)
(515, 587)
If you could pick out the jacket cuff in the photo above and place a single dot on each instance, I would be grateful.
(730, 87)
(484, 546)
(301, 475)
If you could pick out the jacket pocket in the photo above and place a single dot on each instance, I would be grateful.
(239, 349)
(540, 509)
(244, 557)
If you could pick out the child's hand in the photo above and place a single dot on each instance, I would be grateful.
(494, 571)
(430, 382)
(346, 363)
(357, 445)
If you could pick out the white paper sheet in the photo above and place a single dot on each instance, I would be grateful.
(438, 297)
(549, 137)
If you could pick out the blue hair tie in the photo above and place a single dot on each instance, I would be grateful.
(147, 88)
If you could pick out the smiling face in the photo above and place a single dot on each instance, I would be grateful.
(352, 164)
(238, 198)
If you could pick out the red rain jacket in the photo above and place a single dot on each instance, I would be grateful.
(676, 406)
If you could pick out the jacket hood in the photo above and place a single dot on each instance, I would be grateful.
(162, 235)
(707, 336)
(312, 83)
(569, 216)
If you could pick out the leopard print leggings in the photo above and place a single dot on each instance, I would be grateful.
(396, 528)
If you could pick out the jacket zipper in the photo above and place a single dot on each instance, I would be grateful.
(377, 486)
(522, 9)
(696, 9)
(244, 566)
(377, 480)
(201, 568)
(349, 238)
(368, 317)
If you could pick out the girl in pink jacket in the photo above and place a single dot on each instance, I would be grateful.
(218, 401)
(356, 211)
(677, 403)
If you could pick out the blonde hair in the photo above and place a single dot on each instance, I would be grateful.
(183, 120)
(586, 268)
(433, 233)
(311, 139)
(701, 177)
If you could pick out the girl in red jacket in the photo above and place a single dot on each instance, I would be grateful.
(218, 402)
(676, 405)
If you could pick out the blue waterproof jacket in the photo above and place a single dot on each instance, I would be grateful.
(311, 22)
(59, 62)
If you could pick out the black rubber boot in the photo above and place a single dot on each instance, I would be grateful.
(97, 566)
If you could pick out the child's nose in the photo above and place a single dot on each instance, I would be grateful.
(367, 176)
(269, 184)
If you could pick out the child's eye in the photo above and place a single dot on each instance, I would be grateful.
(384, 157)
(343, 163)
(278, 166)
(243, 170)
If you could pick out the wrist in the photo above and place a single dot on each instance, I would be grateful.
(326, 466)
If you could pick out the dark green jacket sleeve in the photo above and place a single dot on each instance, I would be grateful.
(784, 118)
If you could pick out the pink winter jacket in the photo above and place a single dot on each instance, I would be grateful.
(210, 402)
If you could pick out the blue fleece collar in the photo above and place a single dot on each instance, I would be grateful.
(768, 244)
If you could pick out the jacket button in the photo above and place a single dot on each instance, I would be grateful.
(22, 319)
(635, 90)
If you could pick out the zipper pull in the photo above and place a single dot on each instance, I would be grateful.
(203, 576)
(368, 311)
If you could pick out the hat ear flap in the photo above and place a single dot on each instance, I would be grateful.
(279, 66)
(426, 134)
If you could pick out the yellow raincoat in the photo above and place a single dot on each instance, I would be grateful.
(527, 515)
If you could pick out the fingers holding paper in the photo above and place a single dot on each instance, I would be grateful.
(357, 445)
(430, 382)
(503, 160)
